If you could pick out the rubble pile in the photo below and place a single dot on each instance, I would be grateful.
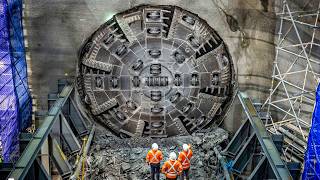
(113, 158)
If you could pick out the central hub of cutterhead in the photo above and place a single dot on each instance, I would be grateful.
(157, 81)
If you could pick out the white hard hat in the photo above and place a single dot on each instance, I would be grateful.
(173, 156)
(185, 147)
(155, 146)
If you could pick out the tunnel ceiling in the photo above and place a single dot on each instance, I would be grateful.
(155, 71)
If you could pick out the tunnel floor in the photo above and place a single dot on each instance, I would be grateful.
(113, 158)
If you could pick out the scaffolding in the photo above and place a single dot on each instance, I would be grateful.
(295, 74)
(15, 99)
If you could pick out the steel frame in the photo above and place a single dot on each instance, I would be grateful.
(31, 151)
(62, 138)
(290, 103)
(252, 151)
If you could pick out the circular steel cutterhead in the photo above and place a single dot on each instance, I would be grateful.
(155, 71)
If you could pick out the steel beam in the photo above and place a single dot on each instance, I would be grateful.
(238, 141)
(68, 136)
(63, 166)
(251, 152)
(245, 155)
(31, 152)
(83, 155)
(77, 119)
(279, 168)
(259, 169)
(41, 171)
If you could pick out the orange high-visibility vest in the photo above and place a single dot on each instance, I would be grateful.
(172, 168)
(154, 157)
(184, 158)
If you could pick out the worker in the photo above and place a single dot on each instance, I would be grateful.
(172, 168)
(153, 158)
(184, 159)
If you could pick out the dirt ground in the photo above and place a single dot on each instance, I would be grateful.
(112, 158)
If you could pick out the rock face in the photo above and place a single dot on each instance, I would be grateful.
(114, 158)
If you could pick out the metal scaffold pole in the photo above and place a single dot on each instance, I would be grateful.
(295, 75)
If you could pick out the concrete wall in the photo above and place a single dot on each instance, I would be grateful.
(55, 30)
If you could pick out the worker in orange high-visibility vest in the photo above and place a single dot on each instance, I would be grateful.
(172, 168)
(184, 158)
(153, 158)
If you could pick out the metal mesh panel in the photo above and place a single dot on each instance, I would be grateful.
(15, 100)
(8, 108)
(312, 155)
(19, 62)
